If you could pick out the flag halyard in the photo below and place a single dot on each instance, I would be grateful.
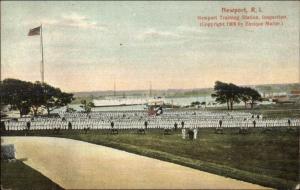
(34, 31)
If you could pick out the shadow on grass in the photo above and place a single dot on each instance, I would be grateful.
(18, 176)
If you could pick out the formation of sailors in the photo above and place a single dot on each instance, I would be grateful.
(139, 119)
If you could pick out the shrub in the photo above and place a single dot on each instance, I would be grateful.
(7, 152)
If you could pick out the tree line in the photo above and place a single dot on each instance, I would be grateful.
(230, 94)
(27, 96)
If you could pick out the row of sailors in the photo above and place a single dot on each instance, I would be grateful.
(152, 119)
(130, 119)
(210, 117)
(170, 117)
(97, 114)
(197, 121)
(142, 113)
(209, 113)
(160, 121)
(200, 112)
(149, 124)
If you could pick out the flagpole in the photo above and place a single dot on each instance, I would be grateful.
(42, 64)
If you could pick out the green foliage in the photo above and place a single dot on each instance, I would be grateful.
(226, 93)
(70, 110)
(230, 93)
(16, 93)
(249, 95)
(78, 99)
(55, 98)
(23, 96)
(87, 106)
(37, 98)
(196, 103)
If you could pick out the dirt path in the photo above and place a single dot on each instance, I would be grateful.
(75, 164)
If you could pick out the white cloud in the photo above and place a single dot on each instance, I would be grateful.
(189, 29)
(178, 33)
(75, 20)
(151, 33)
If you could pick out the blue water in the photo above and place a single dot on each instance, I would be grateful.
(185, 101)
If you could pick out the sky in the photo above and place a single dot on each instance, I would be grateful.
(89, 45)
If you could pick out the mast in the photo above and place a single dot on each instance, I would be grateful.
(114, 88)
(150, 89)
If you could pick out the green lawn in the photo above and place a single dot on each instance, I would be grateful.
(279, 110)
(273, 111)
(18, 176)
(268, 158)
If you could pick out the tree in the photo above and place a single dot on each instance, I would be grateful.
(196, 103)
(233, 92)
(244, 95)
(226, 93)
(16, 93)
(55, 98)
(254, 97)
(37, 97)
(87, 106)
(249, 95)
(220, 94)
(49, 97)
(24, 96)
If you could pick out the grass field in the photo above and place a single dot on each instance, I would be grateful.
(18, 176)
(273, 111)
(269, 158)
(279, 110)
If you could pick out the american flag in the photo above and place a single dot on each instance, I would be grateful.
(34, 31)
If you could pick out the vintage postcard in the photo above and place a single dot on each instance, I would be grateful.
(150, 95)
